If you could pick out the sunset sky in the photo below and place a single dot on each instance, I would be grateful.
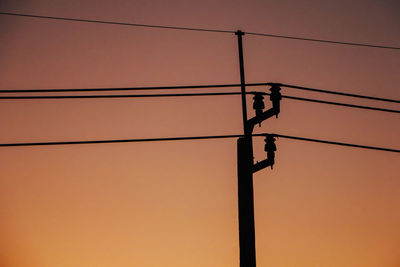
(175, 203)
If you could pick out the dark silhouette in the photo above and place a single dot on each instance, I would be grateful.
(258, 105)
(270, 148)
(246, 166)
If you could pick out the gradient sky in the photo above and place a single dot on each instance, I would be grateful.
(175, 203)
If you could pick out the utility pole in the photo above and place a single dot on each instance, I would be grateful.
(245, 179)
(246, 166)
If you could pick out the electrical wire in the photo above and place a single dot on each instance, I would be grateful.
(322, 41)
(335, 92)
(195, 138)
(190, 95)
(341, 104)
(120, 140)
(144, 88)
(201, 29)
(117, 96)
(336, 143)
(115, 23)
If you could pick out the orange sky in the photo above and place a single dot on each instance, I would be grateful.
(175, 203)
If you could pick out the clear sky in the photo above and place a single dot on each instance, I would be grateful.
(175, 203)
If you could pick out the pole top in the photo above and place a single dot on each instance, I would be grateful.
(239, 33)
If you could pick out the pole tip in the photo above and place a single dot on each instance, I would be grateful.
(239, 32)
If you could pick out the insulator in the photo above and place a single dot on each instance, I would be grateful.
(258, 102)
(270, 143)
(275, 93)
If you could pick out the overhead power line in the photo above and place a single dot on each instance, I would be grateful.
(121, 140)
(190, 95)
(322, 41)
(180, 87)
(337, 143)
(201, 29)
(336, 92)
(341, 104)
(116, 23)
(194, 138)
(116, 96)
(142, 88)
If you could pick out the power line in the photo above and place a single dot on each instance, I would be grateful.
(200, 29)
(190, 95)
(335, 92)
(144, 88)
(322, 41)
(180, 87)
(121, 140)
(194, 138)
(118, 96)
(341, 104)
(115, 23)
(337, 143)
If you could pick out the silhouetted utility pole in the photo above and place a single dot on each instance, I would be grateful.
(246, 166)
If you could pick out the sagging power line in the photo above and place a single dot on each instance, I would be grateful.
(186, 138)
(202, 30)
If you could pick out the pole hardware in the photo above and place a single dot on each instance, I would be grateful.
(276, 98)
(270, 148)
(258, 105)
